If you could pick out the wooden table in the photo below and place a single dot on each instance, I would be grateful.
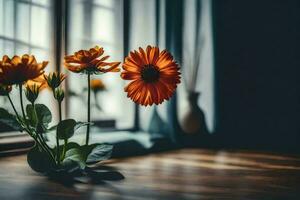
(181, 174)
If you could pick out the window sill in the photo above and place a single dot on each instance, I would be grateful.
(125, 142)
(14, 143)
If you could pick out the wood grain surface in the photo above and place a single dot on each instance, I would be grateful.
(180, 174)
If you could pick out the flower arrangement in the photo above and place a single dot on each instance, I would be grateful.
(153, 77)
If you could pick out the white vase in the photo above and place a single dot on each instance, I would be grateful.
(193, 120)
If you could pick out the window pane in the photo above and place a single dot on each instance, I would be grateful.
(40, 54)
(106, 3)
(21, 49)
(25, 29)
(22, 18)
(42, 2)
(8, 18)
(103, 25)
(40, 29)
(8, 47)
(1, 48)
(1, 17)
(99, 23)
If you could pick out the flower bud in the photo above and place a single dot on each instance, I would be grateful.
(54, 79)
(59, 94)
(5, 89)
(32, 92)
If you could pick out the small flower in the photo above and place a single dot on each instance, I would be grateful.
(5, 89)
(59, 94)
(54, 79)
(90, 62)
(32, 91)
(154, 75)
(19, 70)
(97, 85)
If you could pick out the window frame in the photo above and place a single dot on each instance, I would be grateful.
(60, 18)
(65, 15)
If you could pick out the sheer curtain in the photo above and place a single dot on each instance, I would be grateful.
(170, 24)
(205, 75)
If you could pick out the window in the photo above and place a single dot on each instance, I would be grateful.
(22, 22)
(99, 22)
(25, 28)
(28, 28)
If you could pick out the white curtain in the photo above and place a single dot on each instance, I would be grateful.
(205, 75)
(145, 14)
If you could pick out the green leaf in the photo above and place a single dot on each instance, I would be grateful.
(10, 120)
(99, 152)
(78, 125)
(88, 154)
(77, 155)
(32, 116)
(69, 146)
(70, 165)
(39, 116)
(72, 145)
(43, 114)
(66, 128)
(39, 161)
(52, 128)
(81, 124)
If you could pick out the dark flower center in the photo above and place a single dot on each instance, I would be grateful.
(150, 74)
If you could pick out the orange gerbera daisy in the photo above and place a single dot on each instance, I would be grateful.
(89, 61)
(18, 70)
(40, 83)
(154, 75)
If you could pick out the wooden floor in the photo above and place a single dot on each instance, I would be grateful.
(180, 174)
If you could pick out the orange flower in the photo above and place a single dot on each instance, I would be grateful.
(89, 61)
(154, 75)
(38, 82)
(18, 70)
(97, 85)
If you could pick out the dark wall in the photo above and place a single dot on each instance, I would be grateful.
(257, 51)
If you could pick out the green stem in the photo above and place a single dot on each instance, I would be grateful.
(44, 145)
(60, 111)
(65, 149)
(21, 101)
(41, 139)
(14, 108)
(37, 138)
(57, 139)
(88, 111)
(36, 134)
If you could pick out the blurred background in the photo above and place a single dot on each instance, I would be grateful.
(239, 62)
